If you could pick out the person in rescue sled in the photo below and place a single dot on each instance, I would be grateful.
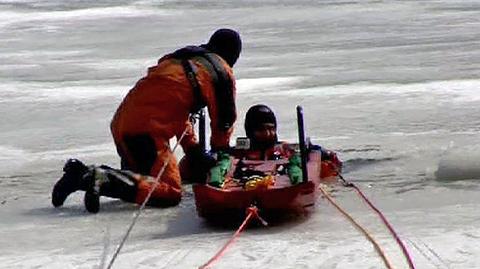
(261, 129)
(155, 110)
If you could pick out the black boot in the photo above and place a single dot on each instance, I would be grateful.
(71, 181)
(109, 182)
(91, 201)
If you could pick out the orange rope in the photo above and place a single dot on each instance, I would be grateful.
(252, 212)
(359, 227)
(388, 225)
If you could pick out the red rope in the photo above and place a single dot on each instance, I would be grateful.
(387, 224)
(252, 212)
(357, 225)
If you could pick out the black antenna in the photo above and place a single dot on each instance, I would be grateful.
(301, 138)
(201, 130)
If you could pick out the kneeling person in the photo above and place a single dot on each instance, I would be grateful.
(155, 110)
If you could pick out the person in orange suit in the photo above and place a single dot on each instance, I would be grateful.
(157, 109)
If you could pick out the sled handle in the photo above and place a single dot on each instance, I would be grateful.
(202, 130)
(301, 138)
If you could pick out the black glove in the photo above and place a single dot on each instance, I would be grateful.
(229, 150)
(200, 163)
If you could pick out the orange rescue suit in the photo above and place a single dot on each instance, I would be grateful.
(159, 107)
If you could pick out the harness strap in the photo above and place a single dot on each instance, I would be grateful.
(199, 103)
(221, 80)
(223, 90)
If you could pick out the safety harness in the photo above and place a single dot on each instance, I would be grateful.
(221, 80)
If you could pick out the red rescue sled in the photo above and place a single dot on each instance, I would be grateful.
(281, 198)
(278, 198)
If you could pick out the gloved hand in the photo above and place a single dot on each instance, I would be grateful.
(229, 150)
(201, 157)
(294, 169)
(218, 172)
(200, 163)
(327, 155)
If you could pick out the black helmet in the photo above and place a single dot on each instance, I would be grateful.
(256, 116)
(227, 44)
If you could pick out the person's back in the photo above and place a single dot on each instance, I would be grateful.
(161, 102)
(159, 106)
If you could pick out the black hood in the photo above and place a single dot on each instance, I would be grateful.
(256, 116)
(227, 44)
